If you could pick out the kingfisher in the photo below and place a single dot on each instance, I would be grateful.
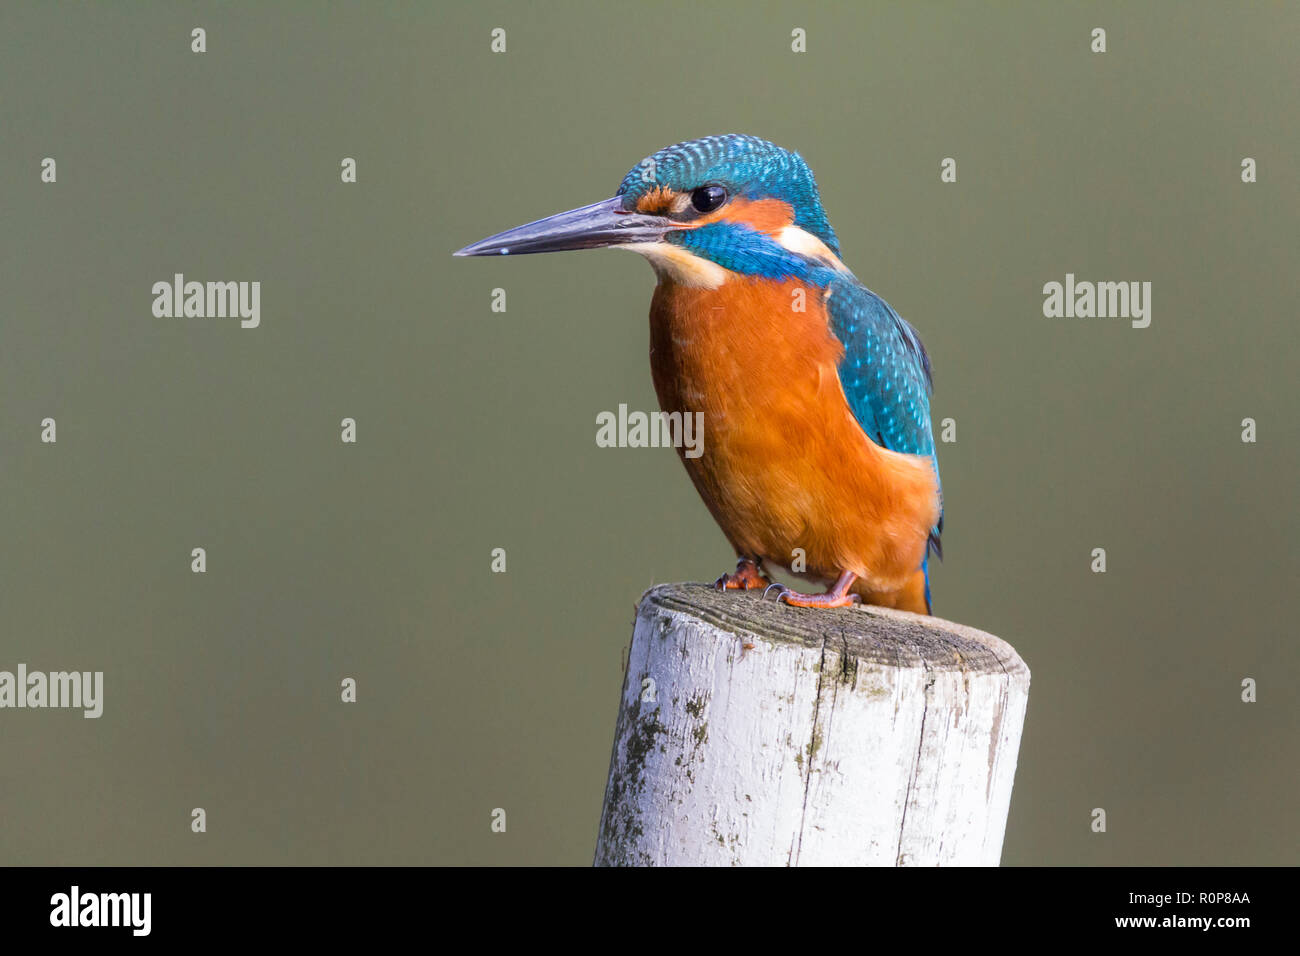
(818, 452)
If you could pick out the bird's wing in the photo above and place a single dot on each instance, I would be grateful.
(885, 374)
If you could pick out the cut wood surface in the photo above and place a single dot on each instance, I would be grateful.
(752, 733)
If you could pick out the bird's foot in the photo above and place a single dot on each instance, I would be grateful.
(837, 596)
(746, 578)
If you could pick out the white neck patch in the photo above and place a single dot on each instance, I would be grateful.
(672, 263)
(806, 244)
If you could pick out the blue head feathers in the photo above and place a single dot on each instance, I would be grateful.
(744, 165)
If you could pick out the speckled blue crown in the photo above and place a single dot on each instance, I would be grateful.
(746, 165)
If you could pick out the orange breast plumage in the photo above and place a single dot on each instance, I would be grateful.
(787, 471)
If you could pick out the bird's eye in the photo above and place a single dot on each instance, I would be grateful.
(708, 198)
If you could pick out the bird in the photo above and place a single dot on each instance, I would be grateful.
(819, 454)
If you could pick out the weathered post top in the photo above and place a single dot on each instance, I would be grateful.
(754, 733)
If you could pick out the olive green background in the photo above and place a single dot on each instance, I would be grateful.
(476, 429)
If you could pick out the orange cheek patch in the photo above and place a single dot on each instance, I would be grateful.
(768, 216)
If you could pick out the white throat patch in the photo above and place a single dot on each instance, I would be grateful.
(675, 264)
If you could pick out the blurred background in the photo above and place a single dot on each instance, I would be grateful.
(476, 429)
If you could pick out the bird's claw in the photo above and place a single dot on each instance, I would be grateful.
(747, 577)
(834, 598)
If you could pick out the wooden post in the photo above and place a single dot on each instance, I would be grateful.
(751, 733)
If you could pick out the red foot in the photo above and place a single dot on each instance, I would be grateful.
(838, 596)
(746, 578)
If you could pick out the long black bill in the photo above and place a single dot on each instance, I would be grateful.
(601, 224)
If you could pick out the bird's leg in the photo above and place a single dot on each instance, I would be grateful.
(746, 578)
(837, 596)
